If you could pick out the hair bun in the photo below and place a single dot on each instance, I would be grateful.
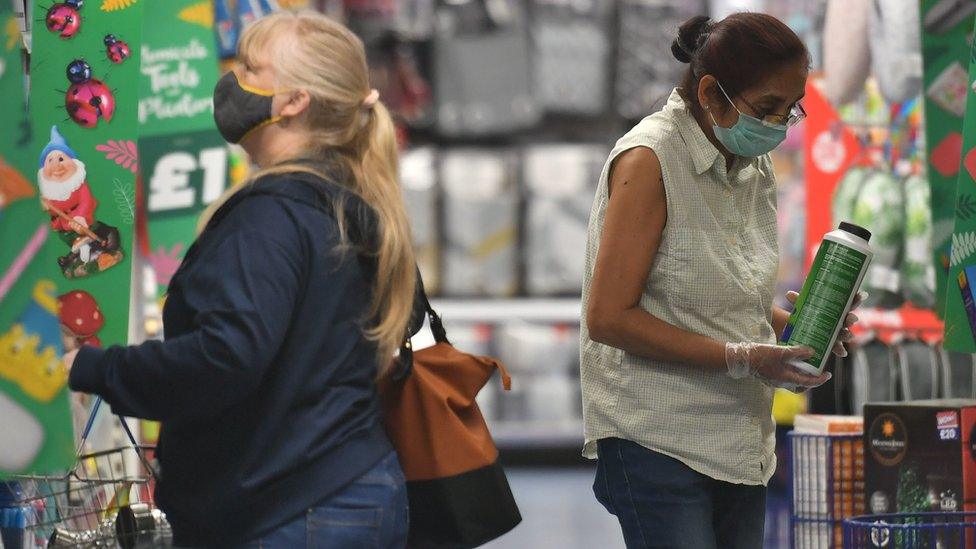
(688, 39)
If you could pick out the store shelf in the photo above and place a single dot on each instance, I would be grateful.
(892, 326)
(503, 310)
(527, 435)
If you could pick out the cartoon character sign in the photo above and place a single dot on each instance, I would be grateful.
(64, 18)
(67, 198)
(30, 350)
(13, 186)
(116, 50)
(81, 319)
(88, 99)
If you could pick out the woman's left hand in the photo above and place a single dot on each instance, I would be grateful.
(845, 335)
(69, 359)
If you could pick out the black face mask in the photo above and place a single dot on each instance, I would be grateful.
(240, 109)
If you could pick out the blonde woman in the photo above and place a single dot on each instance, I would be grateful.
(288, 306)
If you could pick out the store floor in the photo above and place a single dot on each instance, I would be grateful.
(559, 510)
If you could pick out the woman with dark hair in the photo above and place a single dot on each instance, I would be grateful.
(679, 355)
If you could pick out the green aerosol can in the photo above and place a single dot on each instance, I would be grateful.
(827, 294)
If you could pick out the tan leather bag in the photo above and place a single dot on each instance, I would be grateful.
(459, 495)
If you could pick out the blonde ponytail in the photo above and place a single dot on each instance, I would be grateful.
(319, 55)
(396, 265)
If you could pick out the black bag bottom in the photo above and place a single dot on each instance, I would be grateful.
(462, 511)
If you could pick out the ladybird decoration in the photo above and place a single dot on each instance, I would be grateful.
(64, 18)
(88, 98)
(116, 50)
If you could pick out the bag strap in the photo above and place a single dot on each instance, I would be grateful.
(405, 360)
(436, 324)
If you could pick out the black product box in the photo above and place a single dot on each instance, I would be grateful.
(920, 456)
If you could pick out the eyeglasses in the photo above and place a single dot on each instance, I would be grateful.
(790, 119)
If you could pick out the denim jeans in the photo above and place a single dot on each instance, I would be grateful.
(661, 502)
(369, 513)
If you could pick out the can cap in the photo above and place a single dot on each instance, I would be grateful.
(855, 230)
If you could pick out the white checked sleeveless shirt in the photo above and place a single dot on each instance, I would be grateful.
(714, 274)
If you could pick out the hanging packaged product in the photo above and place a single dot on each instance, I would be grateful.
(418, 179)
(645, 76)
(917, 270)
(249, 11)
(848, 189)
(414, 19)
(918, 370)
(874, 374)
(896, 49)
(571, 46)
(227, 31)
(958, 371)
(371, 20)
(828, 293)
(480, 223)
(847, 55)
(560, 181)
(881, 194)
(720, 9)
(545, 357)
(476, 93)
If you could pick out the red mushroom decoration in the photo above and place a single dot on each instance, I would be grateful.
(81, 317)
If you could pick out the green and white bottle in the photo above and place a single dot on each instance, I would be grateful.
(828, 293)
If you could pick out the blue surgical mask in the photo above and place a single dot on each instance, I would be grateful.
(749, 136)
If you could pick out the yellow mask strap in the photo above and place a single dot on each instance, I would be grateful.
(271, 120)
(255, 91)
(260, 91)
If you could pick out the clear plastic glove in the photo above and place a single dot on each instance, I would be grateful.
(772, 365)
(846, 335)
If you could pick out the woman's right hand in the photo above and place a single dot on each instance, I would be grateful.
(772, 364)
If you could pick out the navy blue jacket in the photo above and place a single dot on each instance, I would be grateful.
(265, 382)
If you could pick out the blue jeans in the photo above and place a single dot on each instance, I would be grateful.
(661, 502)
(369, 513)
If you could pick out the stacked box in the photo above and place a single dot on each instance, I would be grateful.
(542, 357)
(828, 479)
(480, 222)
(418, 180)
(920, 457)
(847, 499)
(560, 181)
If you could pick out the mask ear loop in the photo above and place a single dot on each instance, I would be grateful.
(709, 111)
(719, 84)
(264, 93)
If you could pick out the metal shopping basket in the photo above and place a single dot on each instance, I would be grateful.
(106, 500)
(945, 530)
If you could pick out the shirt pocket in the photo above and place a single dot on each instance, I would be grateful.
(697, 272)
